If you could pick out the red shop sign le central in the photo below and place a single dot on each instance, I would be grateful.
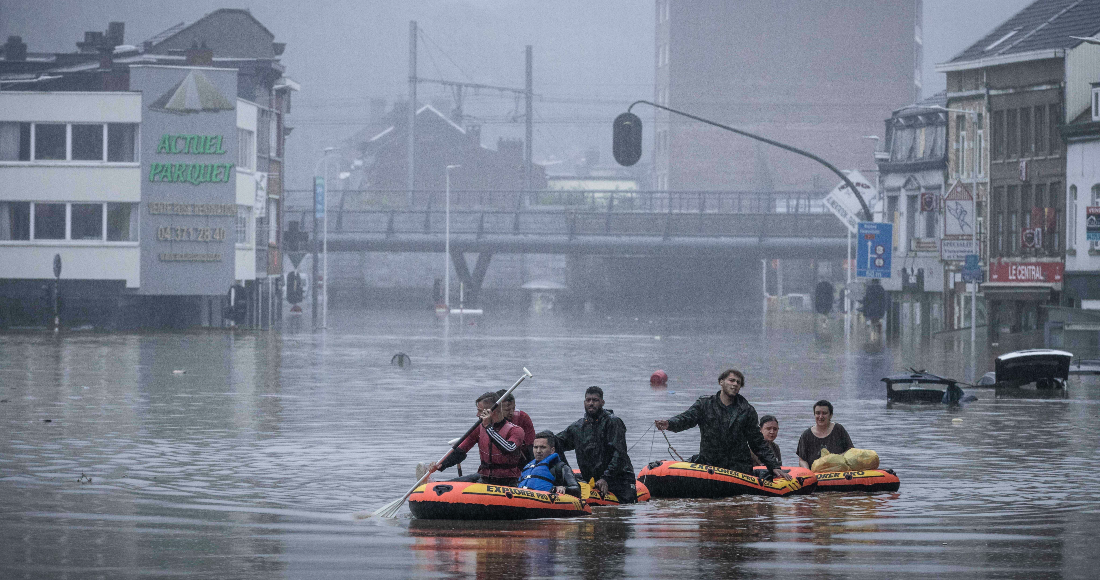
(1026, 272)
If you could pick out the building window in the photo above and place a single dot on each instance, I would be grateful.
(87, 221)
(979, 143)
(87, 142)
(1012, 133)
(1053, 215)
(930, 221)
(49, 221)
(960, 144)
(912, 208)
(1027, 146)
(997, 134)
(1071, 219)
(1012, 200)
(122, 142)
(15, 141)
(15, 220)
(49, 141)
(1053, 125)
(1041, 138)
(1096, 104)
(121, 222)
(244, 215)
(1095, 202)
(246, 149)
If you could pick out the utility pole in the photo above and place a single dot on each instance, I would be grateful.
(412, 113)
(530, 97)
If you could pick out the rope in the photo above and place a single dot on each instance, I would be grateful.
(672, 450)
(652, 440)
(639, 439)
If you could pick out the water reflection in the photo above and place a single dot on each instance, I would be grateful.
(249, 462)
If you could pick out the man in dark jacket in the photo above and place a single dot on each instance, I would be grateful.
(547, 471)
(600, 442)
(728, 428)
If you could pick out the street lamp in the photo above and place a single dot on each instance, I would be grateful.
(324, 202)
(447, 244)
(973, 229)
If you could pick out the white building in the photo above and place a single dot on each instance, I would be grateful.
(1082, 276)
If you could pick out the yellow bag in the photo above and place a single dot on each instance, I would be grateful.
(861, 459)
(830, 462)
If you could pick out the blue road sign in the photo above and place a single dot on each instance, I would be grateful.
(874, 247)
(971, 271)
(319, 197)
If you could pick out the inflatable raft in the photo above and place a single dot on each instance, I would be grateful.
(867, 480)
(453, 500)
(594, 497)
(691, 480)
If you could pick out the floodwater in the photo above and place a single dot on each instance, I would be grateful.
(248, 455)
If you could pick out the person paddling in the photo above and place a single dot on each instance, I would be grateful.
(547, 472)
(499, 442)
(729, 428)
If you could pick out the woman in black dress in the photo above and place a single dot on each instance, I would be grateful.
(823, 435)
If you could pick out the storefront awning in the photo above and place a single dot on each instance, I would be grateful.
(1029, 292)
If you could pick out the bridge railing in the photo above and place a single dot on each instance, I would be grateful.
(343, 202)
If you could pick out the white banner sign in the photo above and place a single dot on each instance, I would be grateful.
(844, 204)
(956, 250)
(260, 203)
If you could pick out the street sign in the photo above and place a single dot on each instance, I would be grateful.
(874, 247)
(319, 197)
(971, 271)
(843, 203)
(1092, 224)
(956, 250)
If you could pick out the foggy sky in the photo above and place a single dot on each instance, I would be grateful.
(344, 52)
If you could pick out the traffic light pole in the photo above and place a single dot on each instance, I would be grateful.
(863, 204)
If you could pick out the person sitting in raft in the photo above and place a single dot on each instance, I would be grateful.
(600, 443)
(729, 428)
(769, 428)
(823, 435)
(519, 419)
(547, 472)
(499, 442)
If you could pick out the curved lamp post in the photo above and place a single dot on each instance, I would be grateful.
(628, 144)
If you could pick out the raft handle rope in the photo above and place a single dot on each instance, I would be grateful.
(672, 450)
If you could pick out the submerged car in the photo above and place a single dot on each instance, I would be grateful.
(921, 387)
(1033, 373)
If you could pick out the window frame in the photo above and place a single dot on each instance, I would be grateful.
(134, 234)
(104, 159)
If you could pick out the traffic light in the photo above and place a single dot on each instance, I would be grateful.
(294, 291)
(237, 311)
(823, 297)
(626, 141)
(874, 301)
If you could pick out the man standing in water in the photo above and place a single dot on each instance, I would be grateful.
(499, 442)
(728, 427)
(600, 442)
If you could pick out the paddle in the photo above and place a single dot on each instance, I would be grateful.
(390, 510)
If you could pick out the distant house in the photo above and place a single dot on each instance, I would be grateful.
(484, 176)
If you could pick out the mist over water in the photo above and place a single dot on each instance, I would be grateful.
(252, 461)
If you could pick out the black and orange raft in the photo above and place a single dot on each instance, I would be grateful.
(867, 480)
(691, 480)
(455, 500)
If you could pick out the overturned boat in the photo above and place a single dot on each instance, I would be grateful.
(454, 500)
(921, 387)
(1035, 373)
(682, 479)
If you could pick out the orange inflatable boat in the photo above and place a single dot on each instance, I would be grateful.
(453, 500)
(868, 480)
(691, 480)
(600, 499)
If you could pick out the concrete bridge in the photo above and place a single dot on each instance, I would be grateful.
(691, 225)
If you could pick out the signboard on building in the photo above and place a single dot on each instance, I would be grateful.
(874, 247)
(1020, 272)
(844, 204)
(956, 250)
(971, 270)
(958, 213)
(188, 161)
(1092, 224)
(1031, 238)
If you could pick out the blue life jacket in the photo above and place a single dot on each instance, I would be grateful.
(537, 475)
